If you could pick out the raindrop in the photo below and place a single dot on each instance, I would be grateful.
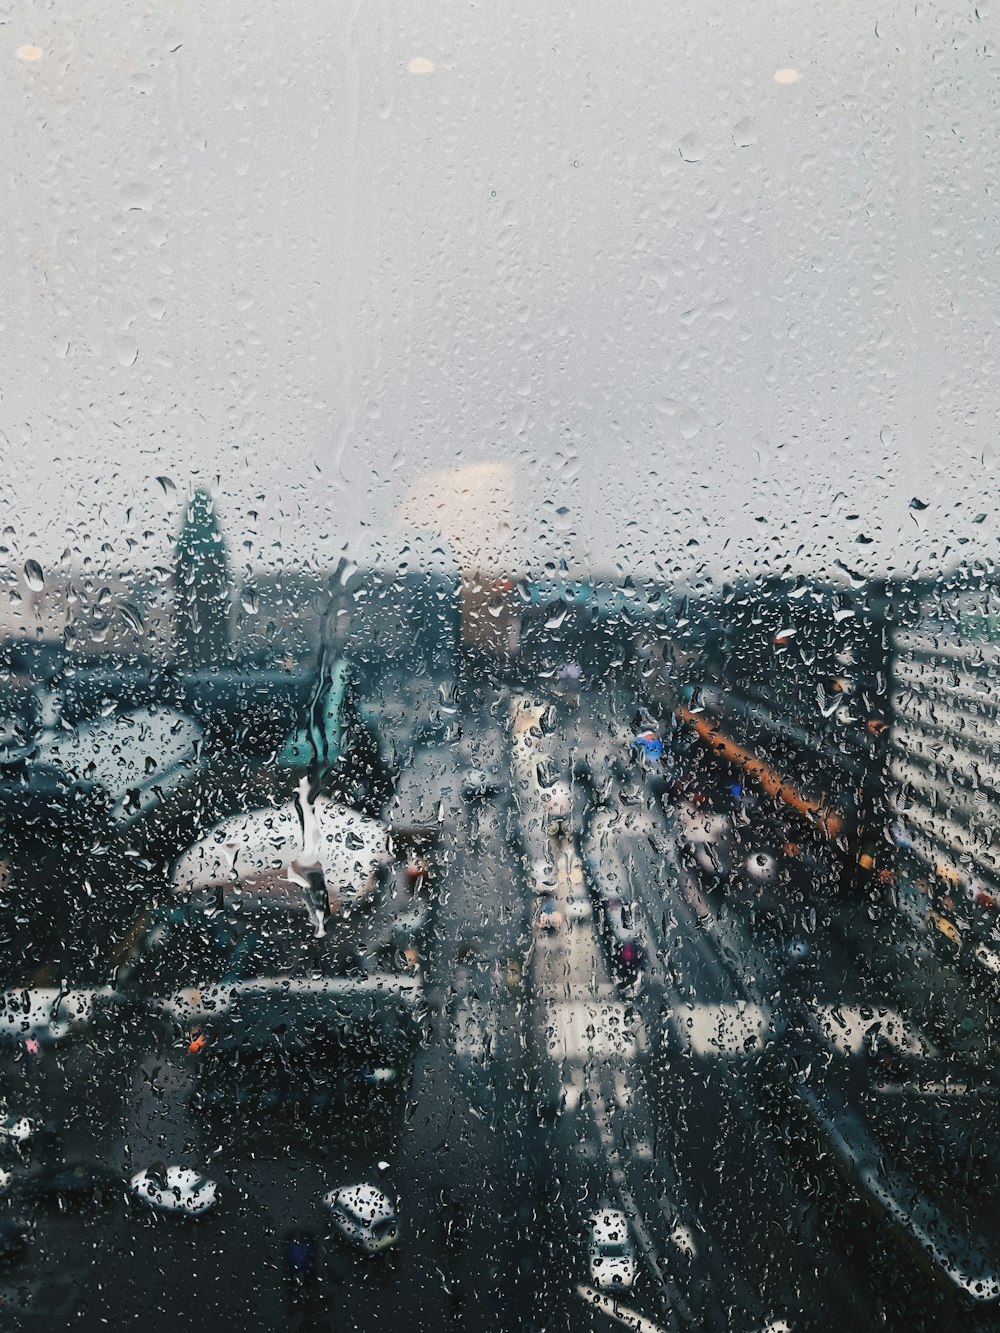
(166, 485)
(136, 196)
(131, 617)
(689, 424)
(918, 504)
(248, 600)
(692, 147)
(745, 132)
(34, 576)
(127, 351)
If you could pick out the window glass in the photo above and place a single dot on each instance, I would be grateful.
(499, 642)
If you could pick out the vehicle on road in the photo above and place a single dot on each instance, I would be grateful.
(174, 1189)
(623, 937)
(610, 1254)
(549, 918)
(363, 1216)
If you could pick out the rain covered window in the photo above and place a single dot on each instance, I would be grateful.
(499, 658)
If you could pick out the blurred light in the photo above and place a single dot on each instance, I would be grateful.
(420, 65)
(787, 75)
(29, 53)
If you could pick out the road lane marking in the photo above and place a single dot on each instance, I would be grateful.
(589, 1030)
(847, 1026)
(722, 1029)
(615, 1310)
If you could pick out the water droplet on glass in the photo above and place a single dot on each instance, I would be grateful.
(131, 617)
(127, 351)
(33, 575)
(692, 147)
(689, 424)
(745, 132)
(135, 195)
(166, 485)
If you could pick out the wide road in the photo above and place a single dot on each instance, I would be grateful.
(549, 1084)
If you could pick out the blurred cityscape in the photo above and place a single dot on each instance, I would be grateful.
(569, 844)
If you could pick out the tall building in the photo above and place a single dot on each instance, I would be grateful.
(202, 588)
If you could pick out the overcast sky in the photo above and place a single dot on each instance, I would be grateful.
(703, 319)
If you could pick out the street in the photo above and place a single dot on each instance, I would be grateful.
(690, 1092)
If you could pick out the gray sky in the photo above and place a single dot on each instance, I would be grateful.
(721, 321)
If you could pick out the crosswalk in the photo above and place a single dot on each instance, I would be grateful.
(741, 1028)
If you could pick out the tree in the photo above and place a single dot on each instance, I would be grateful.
(202, 587)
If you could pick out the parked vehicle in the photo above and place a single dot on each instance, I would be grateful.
(364, 1217)
(610, 1255)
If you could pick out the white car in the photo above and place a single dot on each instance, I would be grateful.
(174, 1189)
(549, 917)
(17, 1130)
(363, 1216)
(609, 1252)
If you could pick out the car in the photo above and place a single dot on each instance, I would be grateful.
(610, 1255)
(174, 1189)
(18, 1130)
(549, 917)
(622, 934)
(363, 1216)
